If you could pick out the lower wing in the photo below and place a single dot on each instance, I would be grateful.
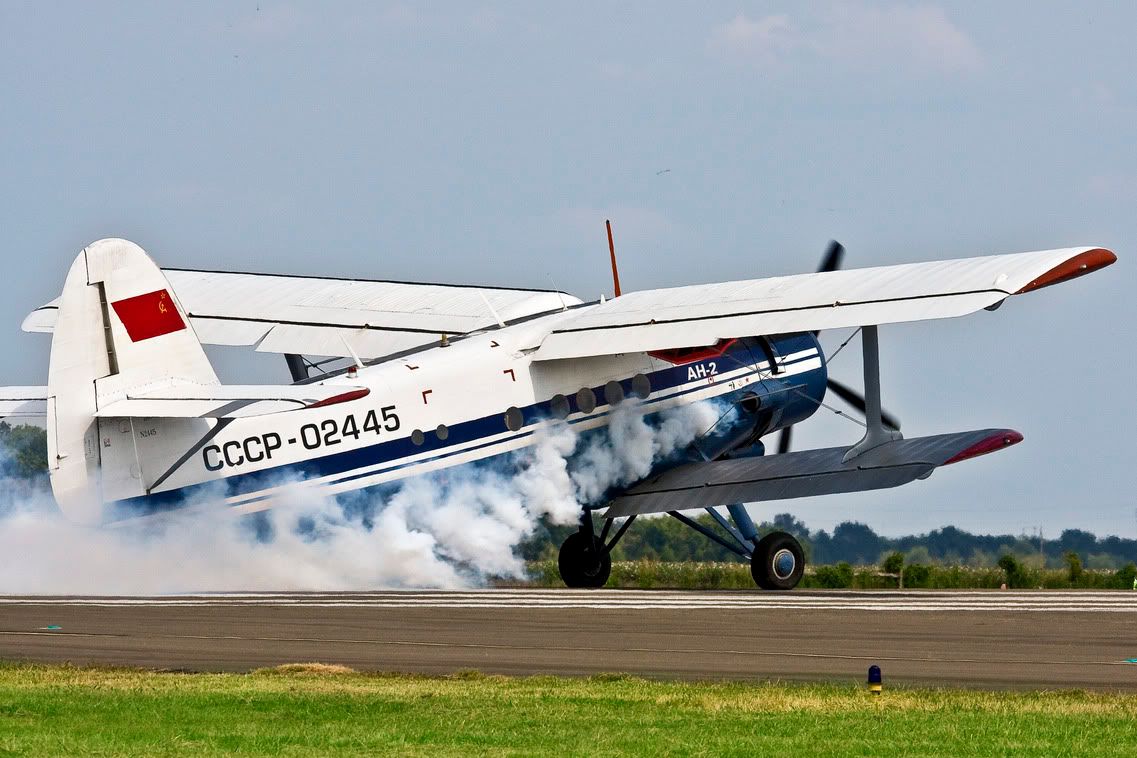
(806, 473)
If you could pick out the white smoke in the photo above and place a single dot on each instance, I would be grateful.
(450, 529)
(632, 446)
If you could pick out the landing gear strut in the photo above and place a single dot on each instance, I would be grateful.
(777, 561)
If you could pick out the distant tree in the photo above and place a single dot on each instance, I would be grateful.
(1100, 561)
(1010, 564)
(835, 577)
(981, 559)
(854, 542)
(893, 563)
(822, 546)
(1077, 541)
(919, 554)
(23, 451)
(917, 575)
(946, 541)
(786, 522)
(1126, 577)
(1073, 566)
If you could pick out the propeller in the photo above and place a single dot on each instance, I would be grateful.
(831, 261)
(857, 400)
(834, 254)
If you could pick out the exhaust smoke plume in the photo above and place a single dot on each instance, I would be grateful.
(450, 529)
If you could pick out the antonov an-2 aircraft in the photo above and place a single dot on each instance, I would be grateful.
(449, 375)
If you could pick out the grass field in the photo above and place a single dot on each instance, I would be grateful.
(51, 710)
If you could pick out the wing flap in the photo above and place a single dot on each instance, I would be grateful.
(703, 314)
(333, 341)
(806, 473)
(227, 401)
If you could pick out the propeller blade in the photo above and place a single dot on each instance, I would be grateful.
(831, 261)
(857, 400)
(834, 254)
(784, 440)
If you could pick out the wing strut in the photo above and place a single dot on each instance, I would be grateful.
(876, 433)
(296, 366)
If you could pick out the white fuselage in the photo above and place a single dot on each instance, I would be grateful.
(476, 398)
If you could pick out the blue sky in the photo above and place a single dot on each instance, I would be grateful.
(488, 142)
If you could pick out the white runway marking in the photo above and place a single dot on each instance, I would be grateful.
(929, 601)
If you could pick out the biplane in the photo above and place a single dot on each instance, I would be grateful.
(435, 376)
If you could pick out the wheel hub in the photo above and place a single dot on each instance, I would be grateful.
(783, 563)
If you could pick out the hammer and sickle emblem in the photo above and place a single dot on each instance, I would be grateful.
(162, 306)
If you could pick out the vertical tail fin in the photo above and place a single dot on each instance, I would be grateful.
(120, 328)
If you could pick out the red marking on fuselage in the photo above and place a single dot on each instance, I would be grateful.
(683, 355)
(343, 397)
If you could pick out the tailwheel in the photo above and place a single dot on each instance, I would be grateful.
(778, 562)
(584, 561)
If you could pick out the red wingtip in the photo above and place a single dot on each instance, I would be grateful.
(1080, 265)
(995, 442)
(343, 397)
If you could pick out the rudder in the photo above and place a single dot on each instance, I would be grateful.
(120, 328)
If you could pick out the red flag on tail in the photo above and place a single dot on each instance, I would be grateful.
(149, 315)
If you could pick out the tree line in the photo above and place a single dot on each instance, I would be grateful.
(665, 539)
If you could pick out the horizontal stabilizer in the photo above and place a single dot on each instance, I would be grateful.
(228, 401)
(806, 473)
(23, 402)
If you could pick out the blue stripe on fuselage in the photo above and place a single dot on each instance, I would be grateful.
(794, 407)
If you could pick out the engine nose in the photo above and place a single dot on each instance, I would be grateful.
(790, 389)
(795, 387)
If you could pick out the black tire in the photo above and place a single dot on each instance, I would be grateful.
(778, 562)
(579, 564)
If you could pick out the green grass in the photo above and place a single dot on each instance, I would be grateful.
(51, 710)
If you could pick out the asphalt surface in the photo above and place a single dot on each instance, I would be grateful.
(987, 639)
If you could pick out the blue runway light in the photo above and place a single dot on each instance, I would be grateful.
(875, 682)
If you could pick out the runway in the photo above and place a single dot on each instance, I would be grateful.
(991, 639)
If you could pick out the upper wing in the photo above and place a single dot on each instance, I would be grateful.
(805, 474)
(314, 315)
(703, 314)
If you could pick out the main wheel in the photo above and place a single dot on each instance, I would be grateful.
(778, 562)
(581, 565)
